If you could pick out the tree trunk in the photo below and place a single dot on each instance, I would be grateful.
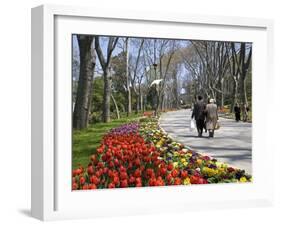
(144, 103)
(106, 96)
(222, 92)
(161, 101)
(157, 102)
(175, 89)
(86, 73)
(116, 106)
(107, 77)
(90, 103)
(129, 101)
(242, 94)
(246, 60)
(129, 93)
(137, 92)
(234, 94)
(137, 103)
(141, 102)
(91, 90)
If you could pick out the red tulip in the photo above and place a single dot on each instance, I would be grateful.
(90, 170)
(98, 173)
(116, 180)
(116, 162)
(184, 174)
(132, 180)
(137, 162)
(123, 175)
(138, 180)
(170, 167)
(111, 164)
(104, 157)
(137, 173)
(175, 173)
(177, 181)
(94, 180)
(82, 180)
(105, 170)
(163, 171)
(124, 183)
(92, 186)
(111, 185)
(122, 169)
(74, 186)
(85, 187)
(100, 165)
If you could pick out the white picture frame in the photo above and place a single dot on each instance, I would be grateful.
(51, 197)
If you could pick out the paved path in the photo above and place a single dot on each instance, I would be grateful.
(232, 143)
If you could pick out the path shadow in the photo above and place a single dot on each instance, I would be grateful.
(194, 136)
(221, 148)
(173, 126)
(235, 158)
(230, 125)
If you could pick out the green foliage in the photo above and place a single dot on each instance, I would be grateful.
(97, 101)
(118, 64)
(151, 99)
(97, 94)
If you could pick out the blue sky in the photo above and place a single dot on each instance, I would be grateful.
(103, 43)
(132, 49)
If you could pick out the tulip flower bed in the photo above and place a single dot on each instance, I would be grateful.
(201, 169)
(141, 154)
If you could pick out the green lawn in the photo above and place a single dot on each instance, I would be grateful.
(86, 141)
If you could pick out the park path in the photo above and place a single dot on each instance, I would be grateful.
(232, 143)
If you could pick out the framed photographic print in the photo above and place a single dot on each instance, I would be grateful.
(137, 112)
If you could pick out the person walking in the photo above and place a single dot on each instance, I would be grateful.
(199, 114)
(237, 112)
(211, 117)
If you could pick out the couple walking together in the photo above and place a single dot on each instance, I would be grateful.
(206, 116)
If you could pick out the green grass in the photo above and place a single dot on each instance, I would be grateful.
(87, 140)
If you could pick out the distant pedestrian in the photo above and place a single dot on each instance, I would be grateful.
(237, 112)
(199, 114)
(211, 117)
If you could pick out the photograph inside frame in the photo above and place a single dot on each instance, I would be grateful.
(160, 112)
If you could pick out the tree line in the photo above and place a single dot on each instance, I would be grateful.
(119, 75)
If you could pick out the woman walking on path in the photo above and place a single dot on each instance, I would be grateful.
(211, 117)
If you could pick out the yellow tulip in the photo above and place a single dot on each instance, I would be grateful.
(186, 181)
(175, 164)
(243, 179)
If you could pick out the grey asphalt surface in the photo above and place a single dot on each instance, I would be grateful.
(231, 144)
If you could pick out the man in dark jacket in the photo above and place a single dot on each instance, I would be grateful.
(199, 114)
(237, 112)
